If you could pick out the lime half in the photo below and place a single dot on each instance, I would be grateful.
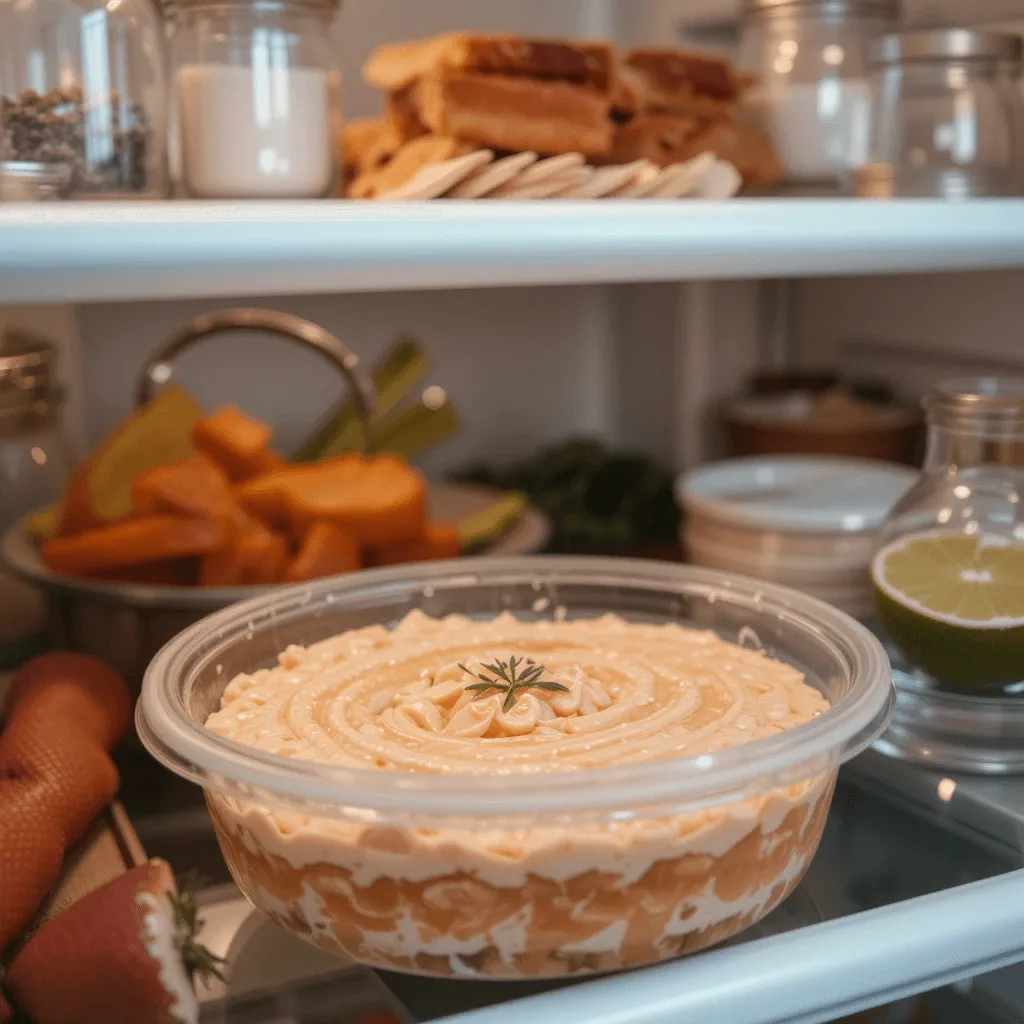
(954, 603)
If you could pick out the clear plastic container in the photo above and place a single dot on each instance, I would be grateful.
(572, 872)
(256, 99)
(83, 99)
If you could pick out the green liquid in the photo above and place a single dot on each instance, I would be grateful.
(958, 656)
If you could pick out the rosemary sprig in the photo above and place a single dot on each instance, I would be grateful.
(198, 960)
(510, 681)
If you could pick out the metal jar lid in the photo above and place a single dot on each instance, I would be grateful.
(946, 44)
(329, 7)
(989, 406)
(888, 9)
(29, 394)
(29, 181)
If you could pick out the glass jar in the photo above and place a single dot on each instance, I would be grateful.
(255, 98)
(948, 116)
(34, 468)
(84, 91)
(949, 573)
(812, 91)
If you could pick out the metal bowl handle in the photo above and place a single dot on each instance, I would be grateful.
(159, 368)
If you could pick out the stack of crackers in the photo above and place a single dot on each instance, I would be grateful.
(474, 116)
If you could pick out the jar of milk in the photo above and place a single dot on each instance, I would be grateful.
(255, 98)
(810, 59)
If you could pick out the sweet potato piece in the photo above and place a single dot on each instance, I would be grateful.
(77, 511)
(328, 550)
(134, 542)
(194, 487)
(255, 555)
(380, 500)
(439, 541)
(236, 442)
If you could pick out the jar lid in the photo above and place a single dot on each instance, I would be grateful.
(946, 44)
(990, 405)
(328, 6)
(28, 391)
(28, 181)
(835, 8)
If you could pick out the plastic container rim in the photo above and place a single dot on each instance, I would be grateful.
(174, 738)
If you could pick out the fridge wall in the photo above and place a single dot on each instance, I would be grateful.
(642, 365)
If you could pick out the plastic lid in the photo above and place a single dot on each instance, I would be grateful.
(946, 44)
(185, 681)
(796, 494)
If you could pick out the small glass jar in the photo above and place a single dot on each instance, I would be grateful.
(949, 574)
(34, 468)
(812, 92)
(83, 92)
(255, 98)
(948, 117)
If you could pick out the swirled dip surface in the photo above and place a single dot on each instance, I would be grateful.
(535, 897)
(399, 700)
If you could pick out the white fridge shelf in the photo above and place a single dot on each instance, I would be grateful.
(86, 252)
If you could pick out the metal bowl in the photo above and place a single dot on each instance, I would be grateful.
(125, 624)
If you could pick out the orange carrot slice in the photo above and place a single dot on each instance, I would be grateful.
(379, 500)
(236, 442)
(133, 542)
(194, 487)
(255, 555)
(328, 550)
(439, 541)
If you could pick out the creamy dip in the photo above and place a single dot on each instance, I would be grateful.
(543, 897)
(412, 699)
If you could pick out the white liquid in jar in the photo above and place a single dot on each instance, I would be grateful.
(819, 129)
(255, 135)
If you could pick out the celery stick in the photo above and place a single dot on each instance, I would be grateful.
(395, 376)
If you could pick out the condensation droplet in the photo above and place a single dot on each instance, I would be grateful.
(749, 640)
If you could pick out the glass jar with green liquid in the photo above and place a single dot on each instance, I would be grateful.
(949, 571)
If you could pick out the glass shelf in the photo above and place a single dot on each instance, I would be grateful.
(914, 888)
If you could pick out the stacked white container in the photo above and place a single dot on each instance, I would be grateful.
(805, 522)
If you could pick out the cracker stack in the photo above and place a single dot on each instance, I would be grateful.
(477, 110)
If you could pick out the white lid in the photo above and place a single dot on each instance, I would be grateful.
(796, 494)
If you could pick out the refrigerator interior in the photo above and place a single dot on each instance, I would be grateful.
(643, 367)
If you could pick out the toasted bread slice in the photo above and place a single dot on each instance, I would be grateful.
(747, 149)
(663, 139)
(666, 139)
(515, 114)
(403, 118)
(368, 144)
(673, 77)
(396, 67)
